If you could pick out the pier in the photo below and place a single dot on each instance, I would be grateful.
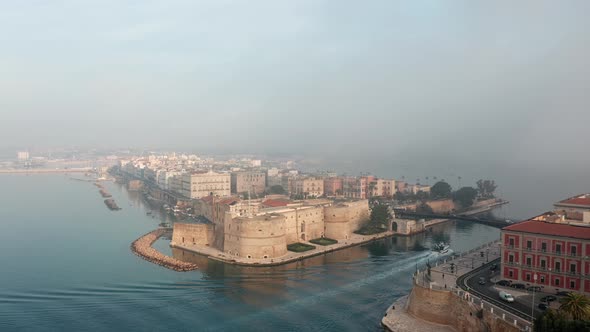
(142, 247)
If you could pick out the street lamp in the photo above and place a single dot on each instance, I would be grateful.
(487, 254)
(533, 305)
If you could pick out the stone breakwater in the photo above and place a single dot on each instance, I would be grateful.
(142, 247)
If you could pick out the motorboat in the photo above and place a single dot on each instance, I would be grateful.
(441, 248)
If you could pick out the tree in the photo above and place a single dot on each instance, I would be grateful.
(486, 188)
(277, 189)
(440, 190)
(379, 214)
(422, 195)
(465, 196)
(556, 321)
(576, 306)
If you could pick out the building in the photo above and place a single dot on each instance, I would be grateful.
(263, 228)
(307, 187)
(576, 208)
(550, 246)
(382, 188)
(355, 188)
(201, 184)
(333, 186)
(249, 181)
(22, 155)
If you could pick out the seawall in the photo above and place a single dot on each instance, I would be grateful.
(142, 247)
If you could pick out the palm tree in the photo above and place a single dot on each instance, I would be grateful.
(575, 305)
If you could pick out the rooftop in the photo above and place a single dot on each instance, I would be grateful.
(583, 200)
(551, 228)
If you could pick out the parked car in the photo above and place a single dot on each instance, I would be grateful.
(503, 283)
(494, 267)
(543, 305)
(534, 289)
(518, 286)
(482, 281)
(563, 293)
(506, 297)
(548, 298)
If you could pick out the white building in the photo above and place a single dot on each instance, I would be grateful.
(202, 184)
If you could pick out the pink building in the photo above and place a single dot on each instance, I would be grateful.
(555, 251)
(333, 186)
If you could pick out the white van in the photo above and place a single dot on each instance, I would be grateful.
(506, 297)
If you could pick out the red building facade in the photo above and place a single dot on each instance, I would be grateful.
(558, 253)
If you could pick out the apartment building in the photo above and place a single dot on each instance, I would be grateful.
(553, 248)
(254, 182)
(201, 184)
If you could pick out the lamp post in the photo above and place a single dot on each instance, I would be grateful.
(487, 254)
(533, 305)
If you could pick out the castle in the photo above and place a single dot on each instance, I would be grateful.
(261, 229)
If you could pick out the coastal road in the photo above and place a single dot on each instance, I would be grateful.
(488, 292)
(521, 304)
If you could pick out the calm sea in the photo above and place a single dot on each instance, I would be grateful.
(66, 265)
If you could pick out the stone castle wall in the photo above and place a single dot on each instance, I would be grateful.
(193, 234)
(258, 237)
(447, 308)
(343, 219)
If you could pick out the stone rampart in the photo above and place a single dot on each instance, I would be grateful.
(193, 234)
(341, 220)
(457, 311)
(257, 237)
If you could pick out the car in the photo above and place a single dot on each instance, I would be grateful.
(494, 267)
(482, 281)
(518, 286)
(563, 293)
(543, 305)
(534, 289)
(548, 298)
(503, 283)
(506, 297)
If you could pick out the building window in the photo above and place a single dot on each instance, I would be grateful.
(542, 279)
(510, 274)
(528, 277)
(574, 250)
(528, 261)
(529, 244)
(573, 268)
(558, 266)
(556, 282)
(572, 284)
(510, 258)
(544, 246)
(558, 248)
(511, 242)
(543, 264)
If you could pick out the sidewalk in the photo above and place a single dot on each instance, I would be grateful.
(440, 272)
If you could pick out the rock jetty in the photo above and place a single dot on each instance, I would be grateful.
(142, 247)
(111, 204)
(105, 193)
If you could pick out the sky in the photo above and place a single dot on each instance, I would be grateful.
(472, 82)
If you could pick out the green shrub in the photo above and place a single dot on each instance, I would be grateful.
(300, 247)
(323, 241)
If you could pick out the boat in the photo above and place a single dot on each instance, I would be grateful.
(441, 248)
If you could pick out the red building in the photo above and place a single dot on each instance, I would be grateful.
(554, 248)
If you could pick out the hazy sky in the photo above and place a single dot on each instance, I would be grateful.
(327, 78)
